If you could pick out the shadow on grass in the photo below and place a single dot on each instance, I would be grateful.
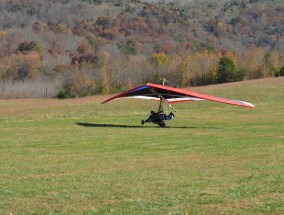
(97, 125)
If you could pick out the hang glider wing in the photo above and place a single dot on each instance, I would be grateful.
(172, 95)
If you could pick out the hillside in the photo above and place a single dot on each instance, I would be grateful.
(74, 48)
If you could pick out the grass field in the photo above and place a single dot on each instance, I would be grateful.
(81, 157)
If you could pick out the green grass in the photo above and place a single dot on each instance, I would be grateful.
(80, 157)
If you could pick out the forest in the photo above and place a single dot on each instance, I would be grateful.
(74, 48)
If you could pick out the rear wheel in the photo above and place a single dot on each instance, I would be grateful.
(162, 124)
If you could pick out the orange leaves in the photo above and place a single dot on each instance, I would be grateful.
(105, 56)
(252, 61)
(84, 48)
(231, 55)
(58, 28)
(24, 66)
(77, 84)
(202, 67)
(144, 26)
(105, 88)
(3, 35)
(275, 58)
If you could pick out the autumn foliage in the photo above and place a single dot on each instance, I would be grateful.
(80, 48)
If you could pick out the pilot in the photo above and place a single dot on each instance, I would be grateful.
(158, 118)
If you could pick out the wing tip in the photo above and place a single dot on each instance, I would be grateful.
(246, 104)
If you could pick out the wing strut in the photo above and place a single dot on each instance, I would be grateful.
(162, 99)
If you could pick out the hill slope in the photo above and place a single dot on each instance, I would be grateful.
(109, 45)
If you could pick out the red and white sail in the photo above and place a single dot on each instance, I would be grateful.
(172, 95)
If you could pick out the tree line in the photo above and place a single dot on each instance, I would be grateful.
(121, 44)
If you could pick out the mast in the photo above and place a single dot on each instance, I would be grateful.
(161, 109)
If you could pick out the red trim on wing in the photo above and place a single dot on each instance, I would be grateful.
(184, 92)
(199, 95)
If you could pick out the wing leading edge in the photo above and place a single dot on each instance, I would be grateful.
(172, 95)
